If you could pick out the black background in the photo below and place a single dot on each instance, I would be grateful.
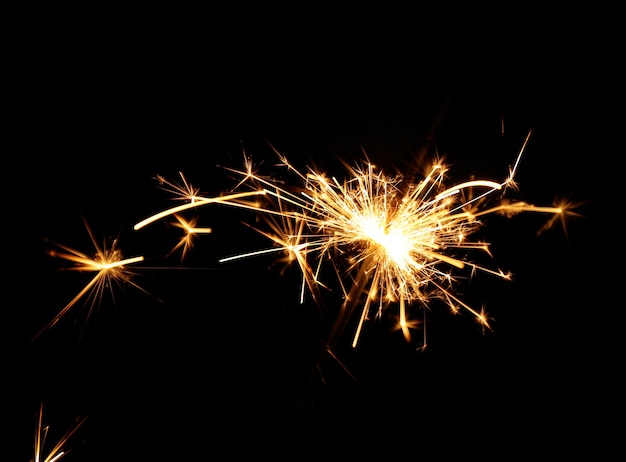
(219, 368)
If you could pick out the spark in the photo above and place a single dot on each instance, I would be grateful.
(390, 242)
(58, 450)
(191, 230)
(110, 268)
(568, 210)
(184, 191)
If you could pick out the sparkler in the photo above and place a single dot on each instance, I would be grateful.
(110, 268)
(389, 241)
(58, 450)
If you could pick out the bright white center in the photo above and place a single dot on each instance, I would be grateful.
(392, 240)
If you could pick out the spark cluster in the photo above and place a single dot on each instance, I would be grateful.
(389, 241)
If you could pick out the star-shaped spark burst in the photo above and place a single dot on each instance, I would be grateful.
(191, 231)
(389, 241)
(111, 270)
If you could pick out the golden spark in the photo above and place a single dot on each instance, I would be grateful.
(184, 191)
(58, 450)
(110, 268)
(389, 241)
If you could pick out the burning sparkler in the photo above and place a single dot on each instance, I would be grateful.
(59, 449)
(110, 268)
(388, 241)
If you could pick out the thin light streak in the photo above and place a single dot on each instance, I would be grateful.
(230, 199)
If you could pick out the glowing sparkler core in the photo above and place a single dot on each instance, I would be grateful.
(389, 241)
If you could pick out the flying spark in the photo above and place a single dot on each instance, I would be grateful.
(187, 192)
(59, 449)
(389, 241)
(110, 268)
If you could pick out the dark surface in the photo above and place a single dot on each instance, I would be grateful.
(222, 364)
